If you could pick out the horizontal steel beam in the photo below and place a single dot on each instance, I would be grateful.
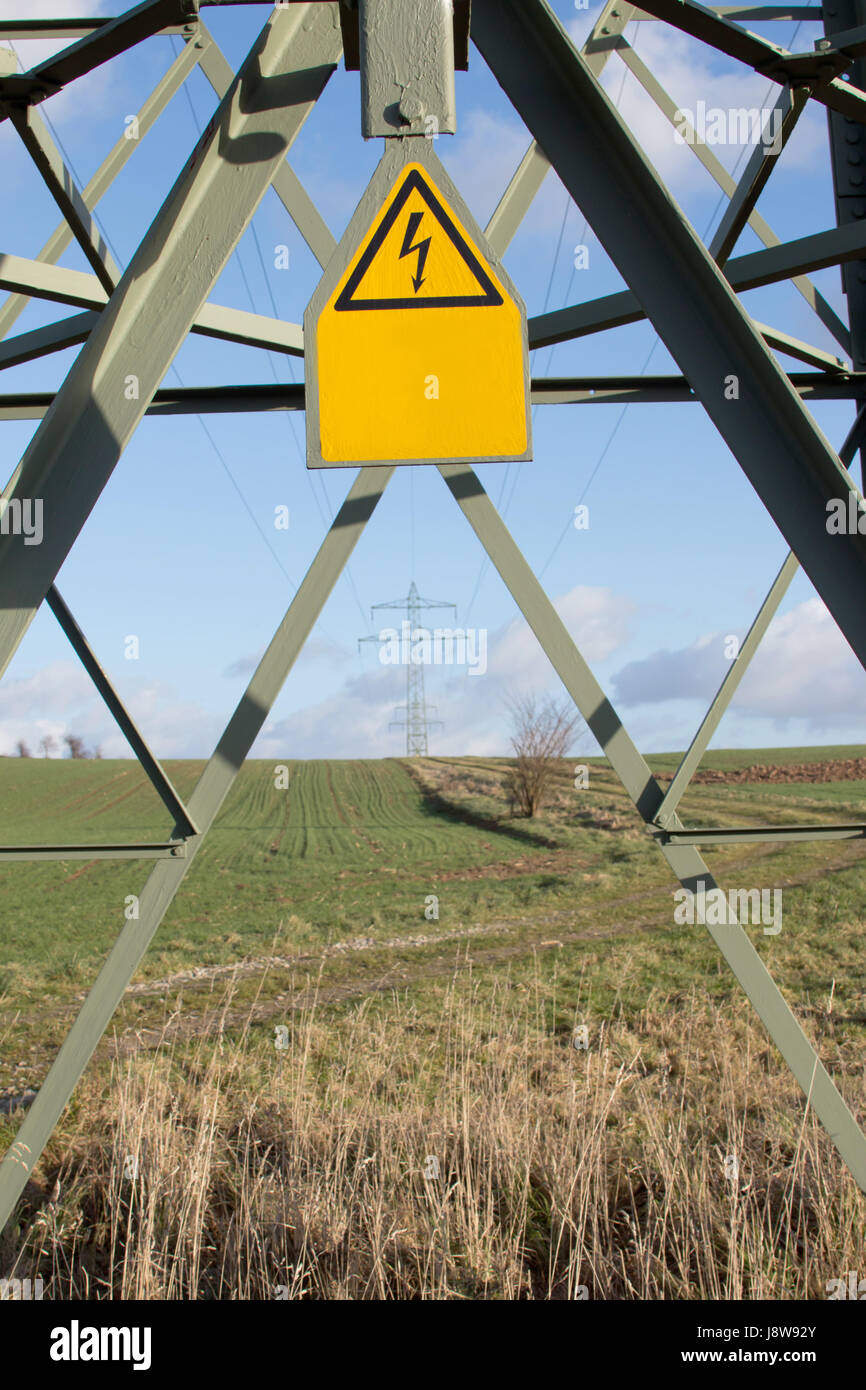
(819, 70)
(748, 835)
(115, 160)
(54, 337)
(111, 39)
(651, 390)
(762, 13)
(21, 29)
(168, 849)
(40, 280)
(835, 246)
(254, 400)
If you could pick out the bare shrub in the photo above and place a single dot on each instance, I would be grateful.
(541, 734)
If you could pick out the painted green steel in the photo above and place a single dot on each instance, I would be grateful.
(111, 166)
(53, 282)
(748, 272)
(850, 41)
(534, 167)
(820, 70)
(693, 308)
(753, 835)
(848, 151)
(760, 12)
(677, 285)
(207, 798)
(760, 165)
(79, 442)
(61, 185)
(717, 170)
(64, 28)
(286, 184)
(162, 783)
(737, 670)
(112, 38)
(168, 849)
(54, 337)
(245, 400)
(644, 790)
(406, 57)
(726, 691)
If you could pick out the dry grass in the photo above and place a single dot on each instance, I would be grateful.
(306, 1172)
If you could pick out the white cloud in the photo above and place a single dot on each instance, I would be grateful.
(482, 160)
(82, 99)
(354, 721)
(689, 72)
(61, 699)
(803, 669)
(597, 619)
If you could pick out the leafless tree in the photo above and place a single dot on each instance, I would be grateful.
(23, 750)
(75, 745)
(541, 734)
(47, 746)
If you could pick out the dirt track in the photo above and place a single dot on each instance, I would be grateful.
(836, 770)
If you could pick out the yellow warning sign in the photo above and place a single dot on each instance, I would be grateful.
(420, 349)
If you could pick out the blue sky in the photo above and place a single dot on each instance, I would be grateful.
(182, 551)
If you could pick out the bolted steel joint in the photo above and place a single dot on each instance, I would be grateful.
(406, 52)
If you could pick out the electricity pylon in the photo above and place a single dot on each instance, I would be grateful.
(417, 721)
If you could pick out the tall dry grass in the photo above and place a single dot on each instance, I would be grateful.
(472, 1152)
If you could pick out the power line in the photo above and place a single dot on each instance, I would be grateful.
(503, 511)
(327, 516)
(722, 200)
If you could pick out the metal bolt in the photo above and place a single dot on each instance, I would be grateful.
(412, 108)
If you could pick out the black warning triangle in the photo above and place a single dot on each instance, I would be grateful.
(488, 297)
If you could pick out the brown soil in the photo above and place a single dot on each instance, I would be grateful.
(836, 770)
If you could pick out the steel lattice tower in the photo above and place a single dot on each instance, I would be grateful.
(417, 721)
(739, 371)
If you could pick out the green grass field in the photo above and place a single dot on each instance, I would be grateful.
(411, 1036)
(351, 852)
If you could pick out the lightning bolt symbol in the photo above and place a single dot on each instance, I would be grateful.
(422, 247)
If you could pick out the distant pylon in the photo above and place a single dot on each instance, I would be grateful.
(417, 721)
